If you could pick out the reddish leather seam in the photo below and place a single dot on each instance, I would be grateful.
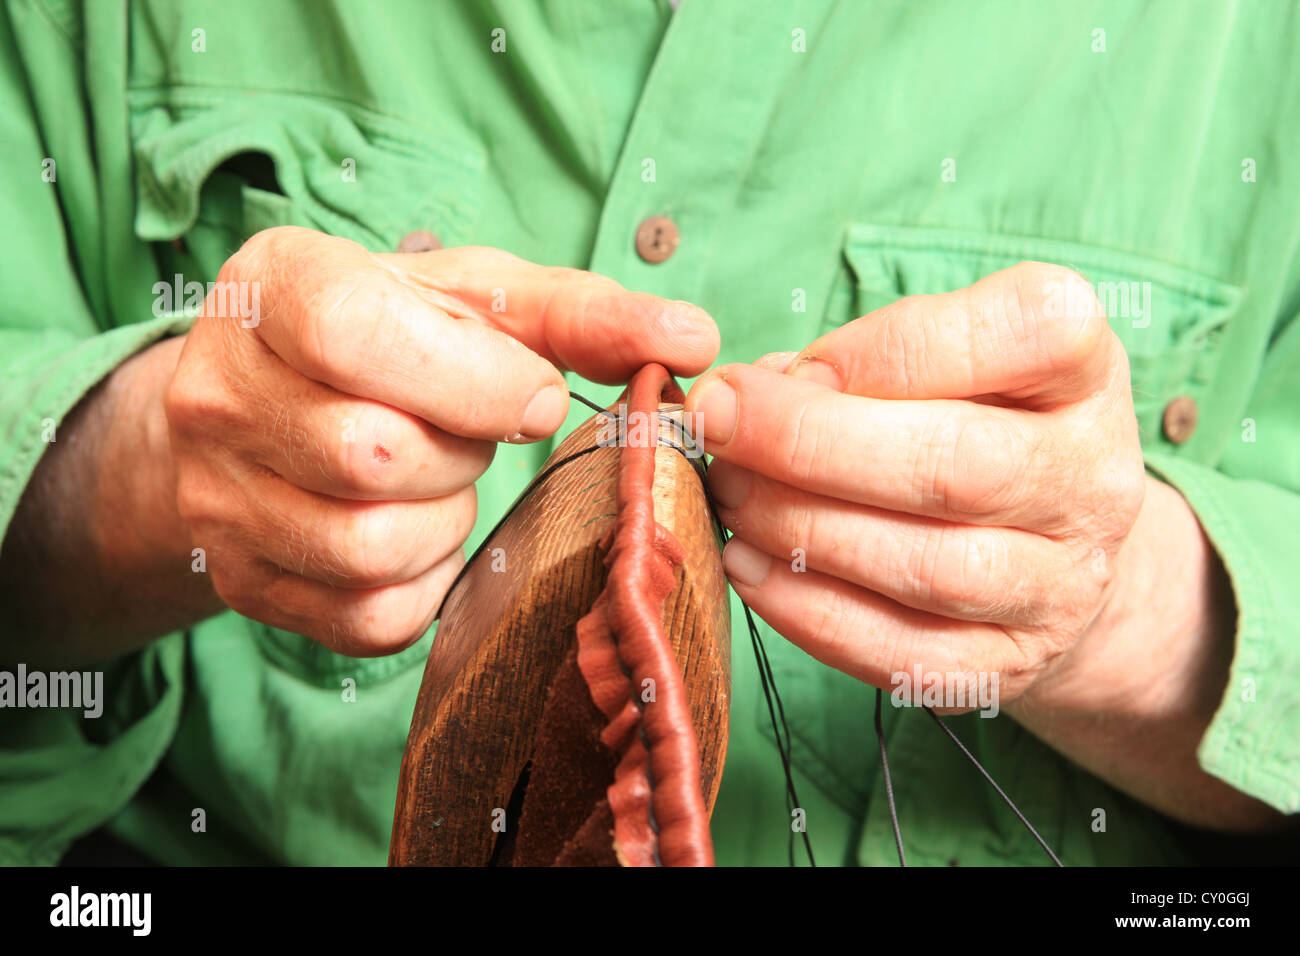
(622, 645)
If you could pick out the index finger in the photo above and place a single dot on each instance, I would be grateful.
(949, 459)
(577, 320)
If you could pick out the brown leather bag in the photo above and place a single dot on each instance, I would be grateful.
(574, 708)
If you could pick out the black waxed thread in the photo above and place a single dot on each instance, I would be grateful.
(768, 681)
(766, 675)
(993, 783)
(889, 783)
(767, 678)
(590, 404)
(771, 693)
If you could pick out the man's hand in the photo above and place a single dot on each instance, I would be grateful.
(326, 457)
(951, 484)
(322, 448)
(957, 470)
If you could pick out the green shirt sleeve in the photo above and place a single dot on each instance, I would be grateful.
(62, 774)
(58, 334)
(1250, 509)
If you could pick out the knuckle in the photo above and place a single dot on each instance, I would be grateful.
(464, 512)
(1118, 497)
(249, 259)
(975, 568)
(238, 592)
(1079, 293)
(338, 634)
(1060, 308)
(260, 253)
(797, 527)
(369, 548)
(387, 622)
(324, 345)
(352, 329)
(639, 313)
(832, 619)
(931, 568)
(449, 521)
(979, 560)
(472, 258)
(178, 400)
(980, 469)
(804, 439)
(193, 502)
(359, 458)
(921, 572)
(568, 276)
(956, 569)
(907, 327)
(1129, 489)
(194, 401)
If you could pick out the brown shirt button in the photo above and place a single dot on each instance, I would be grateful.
(656, 239)
(1180, 419)
(422, 240)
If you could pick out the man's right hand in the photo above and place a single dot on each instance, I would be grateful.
(327, 444)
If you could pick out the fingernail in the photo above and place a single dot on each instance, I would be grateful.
(715, 412)
(819, 371)
(545, 413)
(776, 361)
(745, 564)
(729, 484)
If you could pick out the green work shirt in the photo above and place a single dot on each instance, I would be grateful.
(820, 159)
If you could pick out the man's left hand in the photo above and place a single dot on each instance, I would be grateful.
(942, 483)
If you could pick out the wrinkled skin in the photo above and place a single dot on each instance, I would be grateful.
(326, 448)
(959, 472)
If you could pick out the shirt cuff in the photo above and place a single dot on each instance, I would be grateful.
(42, 377)
(1253, 741)
(62, 773)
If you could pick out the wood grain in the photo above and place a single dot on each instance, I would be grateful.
(503, 635)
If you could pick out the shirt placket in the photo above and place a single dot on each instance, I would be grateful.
(694, 136)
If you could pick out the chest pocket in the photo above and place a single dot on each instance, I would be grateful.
(214, 169)
(1170, 321)
(323, 165)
